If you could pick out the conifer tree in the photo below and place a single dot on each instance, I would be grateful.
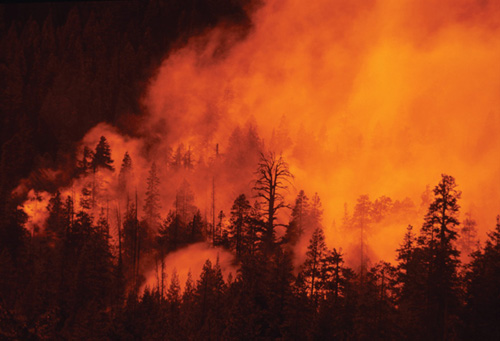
(482, 310)
(125, 172)
(195, 228)
(84, 166)
(437, 240)
(239, 221)
(297, 225)
(209, 293)
(360, 221)
(184, 203)
(56, 221)
(331, 279)
(102, 156)
(467, 240)
(152, 201)
(312, 268)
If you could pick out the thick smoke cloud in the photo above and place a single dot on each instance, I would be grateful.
(361, 97)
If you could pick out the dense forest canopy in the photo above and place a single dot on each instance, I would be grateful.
(236, 169)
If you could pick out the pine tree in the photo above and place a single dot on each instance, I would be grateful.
(312, 268)
(238, 228)
(437, 240)
(184, 203)
(195, 228)
(331, 274)
(177, 158)
(172, 232)
(152, 201)
(174, 290)
(84, 165)
(55, 221)
(210, 289)
(131, 244)
(297, 225)
(125, 173)
(69, 213)
(468, 236)
(174, 307)
(188, 305)
(482, 311)
(102, 156)
(256, 229)
(361, 219)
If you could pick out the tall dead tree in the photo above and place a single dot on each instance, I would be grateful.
(273, 177)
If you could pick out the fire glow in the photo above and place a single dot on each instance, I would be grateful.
(361, 97)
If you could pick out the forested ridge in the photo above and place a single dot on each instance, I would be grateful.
(69, 280)
(92, 269)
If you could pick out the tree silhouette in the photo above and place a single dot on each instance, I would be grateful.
(125, 172)
(300, 214)
(152, 202)
(239, 226)
(437, 237)
(313, 265)
(102, 156)
(273, 177)
(361, 219)
(482, 310)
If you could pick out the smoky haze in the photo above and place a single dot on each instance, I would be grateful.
(361, 97)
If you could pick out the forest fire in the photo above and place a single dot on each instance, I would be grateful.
(312, 155)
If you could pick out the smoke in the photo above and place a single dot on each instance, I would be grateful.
(190, 260)
(361, 97)
(375, 97)
(35, 207)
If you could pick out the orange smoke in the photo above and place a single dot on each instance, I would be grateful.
(376, 97)
(190, 260)
(35, 207)
(362, 97)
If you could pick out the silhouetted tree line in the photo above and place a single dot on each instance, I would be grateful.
(69, 281)
(64, 67)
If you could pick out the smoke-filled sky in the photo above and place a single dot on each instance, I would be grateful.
(361, 97)
(364, 97)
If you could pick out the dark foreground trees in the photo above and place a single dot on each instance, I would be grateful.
(71, 282)
(482, 308)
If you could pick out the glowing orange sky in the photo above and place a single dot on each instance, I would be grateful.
(377, 97)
